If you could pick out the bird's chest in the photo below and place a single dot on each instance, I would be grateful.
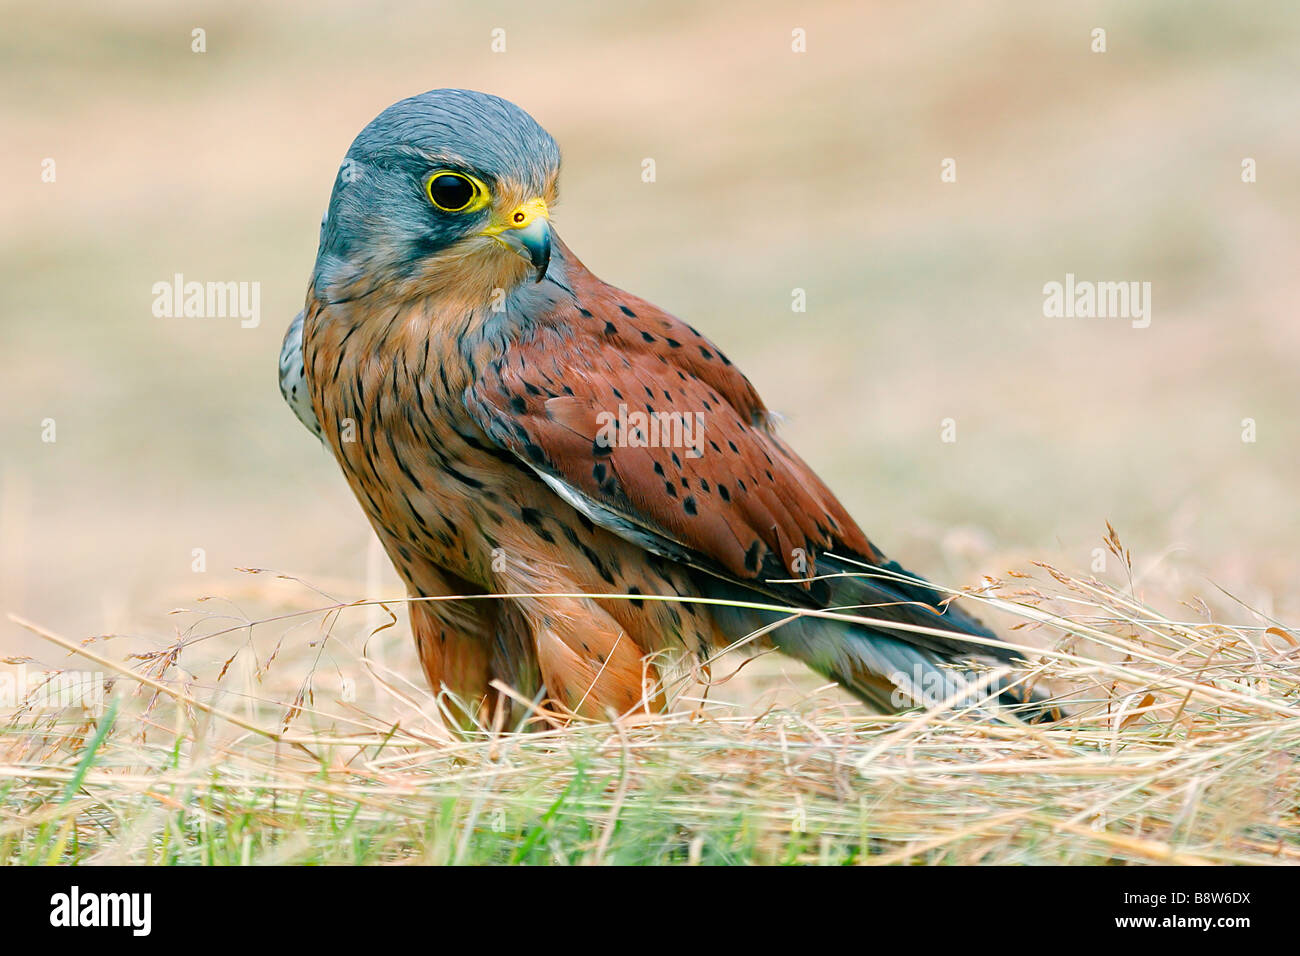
(392, 411)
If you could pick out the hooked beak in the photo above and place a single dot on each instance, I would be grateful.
(527, 232)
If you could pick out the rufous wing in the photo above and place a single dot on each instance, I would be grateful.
(642, 423)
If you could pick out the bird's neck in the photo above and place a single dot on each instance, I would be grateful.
(466, 304)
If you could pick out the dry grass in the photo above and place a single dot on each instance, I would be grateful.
(1181, 748)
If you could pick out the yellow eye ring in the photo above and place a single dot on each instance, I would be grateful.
(456, 192)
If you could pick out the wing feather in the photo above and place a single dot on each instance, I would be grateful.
(647, 424)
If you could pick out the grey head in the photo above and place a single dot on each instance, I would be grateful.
(447, 171)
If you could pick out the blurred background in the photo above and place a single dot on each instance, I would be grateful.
(775, 170)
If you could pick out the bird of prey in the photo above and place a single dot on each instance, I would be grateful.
(513, 425)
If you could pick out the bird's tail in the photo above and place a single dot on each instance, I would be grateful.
(886, 668)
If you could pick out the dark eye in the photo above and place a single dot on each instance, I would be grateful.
(452, 192)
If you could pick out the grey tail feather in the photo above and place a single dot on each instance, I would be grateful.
(890, 675)
(885, 668)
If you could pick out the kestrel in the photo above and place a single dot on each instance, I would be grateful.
(512, 425)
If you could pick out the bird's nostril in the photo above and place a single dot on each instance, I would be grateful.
(520, 217)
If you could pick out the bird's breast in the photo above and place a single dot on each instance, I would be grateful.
(389, 398)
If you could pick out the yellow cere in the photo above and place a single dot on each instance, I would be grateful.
(520, 218)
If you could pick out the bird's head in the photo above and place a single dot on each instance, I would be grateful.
(446, 192)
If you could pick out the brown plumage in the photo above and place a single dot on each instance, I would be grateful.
(559, 440)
